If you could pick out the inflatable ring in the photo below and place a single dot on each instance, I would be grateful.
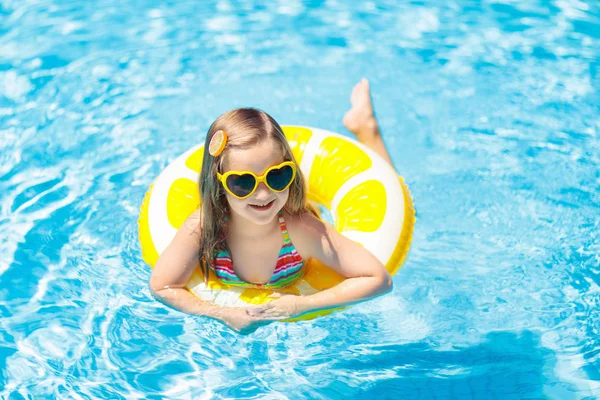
(368, 201)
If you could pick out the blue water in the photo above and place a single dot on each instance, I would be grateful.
(490, 109)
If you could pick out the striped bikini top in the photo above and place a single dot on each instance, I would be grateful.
(287, 271)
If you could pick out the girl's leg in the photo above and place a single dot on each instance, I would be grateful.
(360, 120)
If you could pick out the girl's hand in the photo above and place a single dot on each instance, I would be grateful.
(285, 305)
(238, 319)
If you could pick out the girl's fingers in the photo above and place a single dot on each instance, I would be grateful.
(267, 312)
(273, 316)
(258, 309)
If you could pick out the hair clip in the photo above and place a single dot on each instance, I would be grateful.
(217, 143)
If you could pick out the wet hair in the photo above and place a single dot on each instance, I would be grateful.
(245, 127)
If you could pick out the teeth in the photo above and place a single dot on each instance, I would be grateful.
(262, 205)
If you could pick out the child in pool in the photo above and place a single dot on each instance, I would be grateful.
(238, 223)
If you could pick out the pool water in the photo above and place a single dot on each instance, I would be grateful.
(490, 110)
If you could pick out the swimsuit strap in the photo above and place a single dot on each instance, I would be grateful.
(283, 226)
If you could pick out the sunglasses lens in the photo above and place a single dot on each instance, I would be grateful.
(280, 178)
(241, 185)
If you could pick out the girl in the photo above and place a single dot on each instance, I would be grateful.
(257, 229)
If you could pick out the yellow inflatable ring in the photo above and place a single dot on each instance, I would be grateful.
(368, 201)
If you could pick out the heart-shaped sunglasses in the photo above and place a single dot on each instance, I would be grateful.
(242, 184)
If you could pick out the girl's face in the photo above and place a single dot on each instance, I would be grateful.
(264, 204)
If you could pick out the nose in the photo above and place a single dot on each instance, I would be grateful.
(262, 192)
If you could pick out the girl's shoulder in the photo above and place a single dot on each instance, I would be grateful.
(306, 231)
(304, 221)
(193, 223)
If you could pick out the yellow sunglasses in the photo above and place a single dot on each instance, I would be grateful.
(242, 184)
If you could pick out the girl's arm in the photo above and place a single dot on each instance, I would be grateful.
(174, 268)
(366, 275)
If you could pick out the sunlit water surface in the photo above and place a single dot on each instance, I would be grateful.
(490, 110)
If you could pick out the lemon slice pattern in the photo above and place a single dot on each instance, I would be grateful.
(369, 202)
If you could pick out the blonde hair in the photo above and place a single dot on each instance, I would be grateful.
(245, 127)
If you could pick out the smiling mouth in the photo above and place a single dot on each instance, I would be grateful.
(263, 207)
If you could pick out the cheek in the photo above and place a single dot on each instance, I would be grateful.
(235, 203)
(284, 196)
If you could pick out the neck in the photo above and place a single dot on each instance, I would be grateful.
(241, 227)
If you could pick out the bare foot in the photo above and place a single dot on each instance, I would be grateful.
(360, 120)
